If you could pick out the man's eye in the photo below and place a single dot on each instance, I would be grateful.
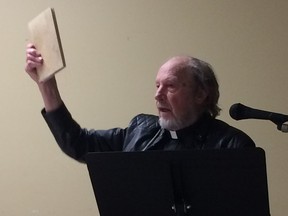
(171, 87)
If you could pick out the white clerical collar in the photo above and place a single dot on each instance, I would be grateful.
(173, 134)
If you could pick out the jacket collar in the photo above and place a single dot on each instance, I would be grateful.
(199, 129)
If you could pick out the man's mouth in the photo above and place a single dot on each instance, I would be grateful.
(163, 109)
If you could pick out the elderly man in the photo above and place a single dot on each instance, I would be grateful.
(186, 97)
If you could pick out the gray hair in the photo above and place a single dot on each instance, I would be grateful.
(205, 77)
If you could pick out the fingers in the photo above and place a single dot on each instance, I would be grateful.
(31, 66)
(31, 52)
(33, 58)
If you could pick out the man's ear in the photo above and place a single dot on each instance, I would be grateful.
(201, 96)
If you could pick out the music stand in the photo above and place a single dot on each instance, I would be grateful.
(176, 183)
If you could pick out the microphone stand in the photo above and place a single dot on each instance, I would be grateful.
(281, 121)
(283, 127)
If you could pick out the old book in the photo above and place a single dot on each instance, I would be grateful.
(44, 34)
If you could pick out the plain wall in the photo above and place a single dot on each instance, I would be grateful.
(113, 50)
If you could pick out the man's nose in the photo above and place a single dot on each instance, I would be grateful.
(159, 95)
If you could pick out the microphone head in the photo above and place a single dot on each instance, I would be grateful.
(237, 111)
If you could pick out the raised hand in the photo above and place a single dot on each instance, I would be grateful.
(33, 61)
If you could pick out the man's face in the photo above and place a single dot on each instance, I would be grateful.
(177, 98)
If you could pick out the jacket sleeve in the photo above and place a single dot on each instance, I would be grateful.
(75, 141)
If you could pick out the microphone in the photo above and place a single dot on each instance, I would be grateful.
(239, 111)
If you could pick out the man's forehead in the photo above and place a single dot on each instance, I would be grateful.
(172, 69)
(166, 76)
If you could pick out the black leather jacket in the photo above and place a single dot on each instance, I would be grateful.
(143, 133)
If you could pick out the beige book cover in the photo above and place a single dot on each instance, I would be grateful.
(44, 34)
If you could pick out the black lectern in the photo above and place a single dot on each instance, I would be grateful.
(165, 183)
